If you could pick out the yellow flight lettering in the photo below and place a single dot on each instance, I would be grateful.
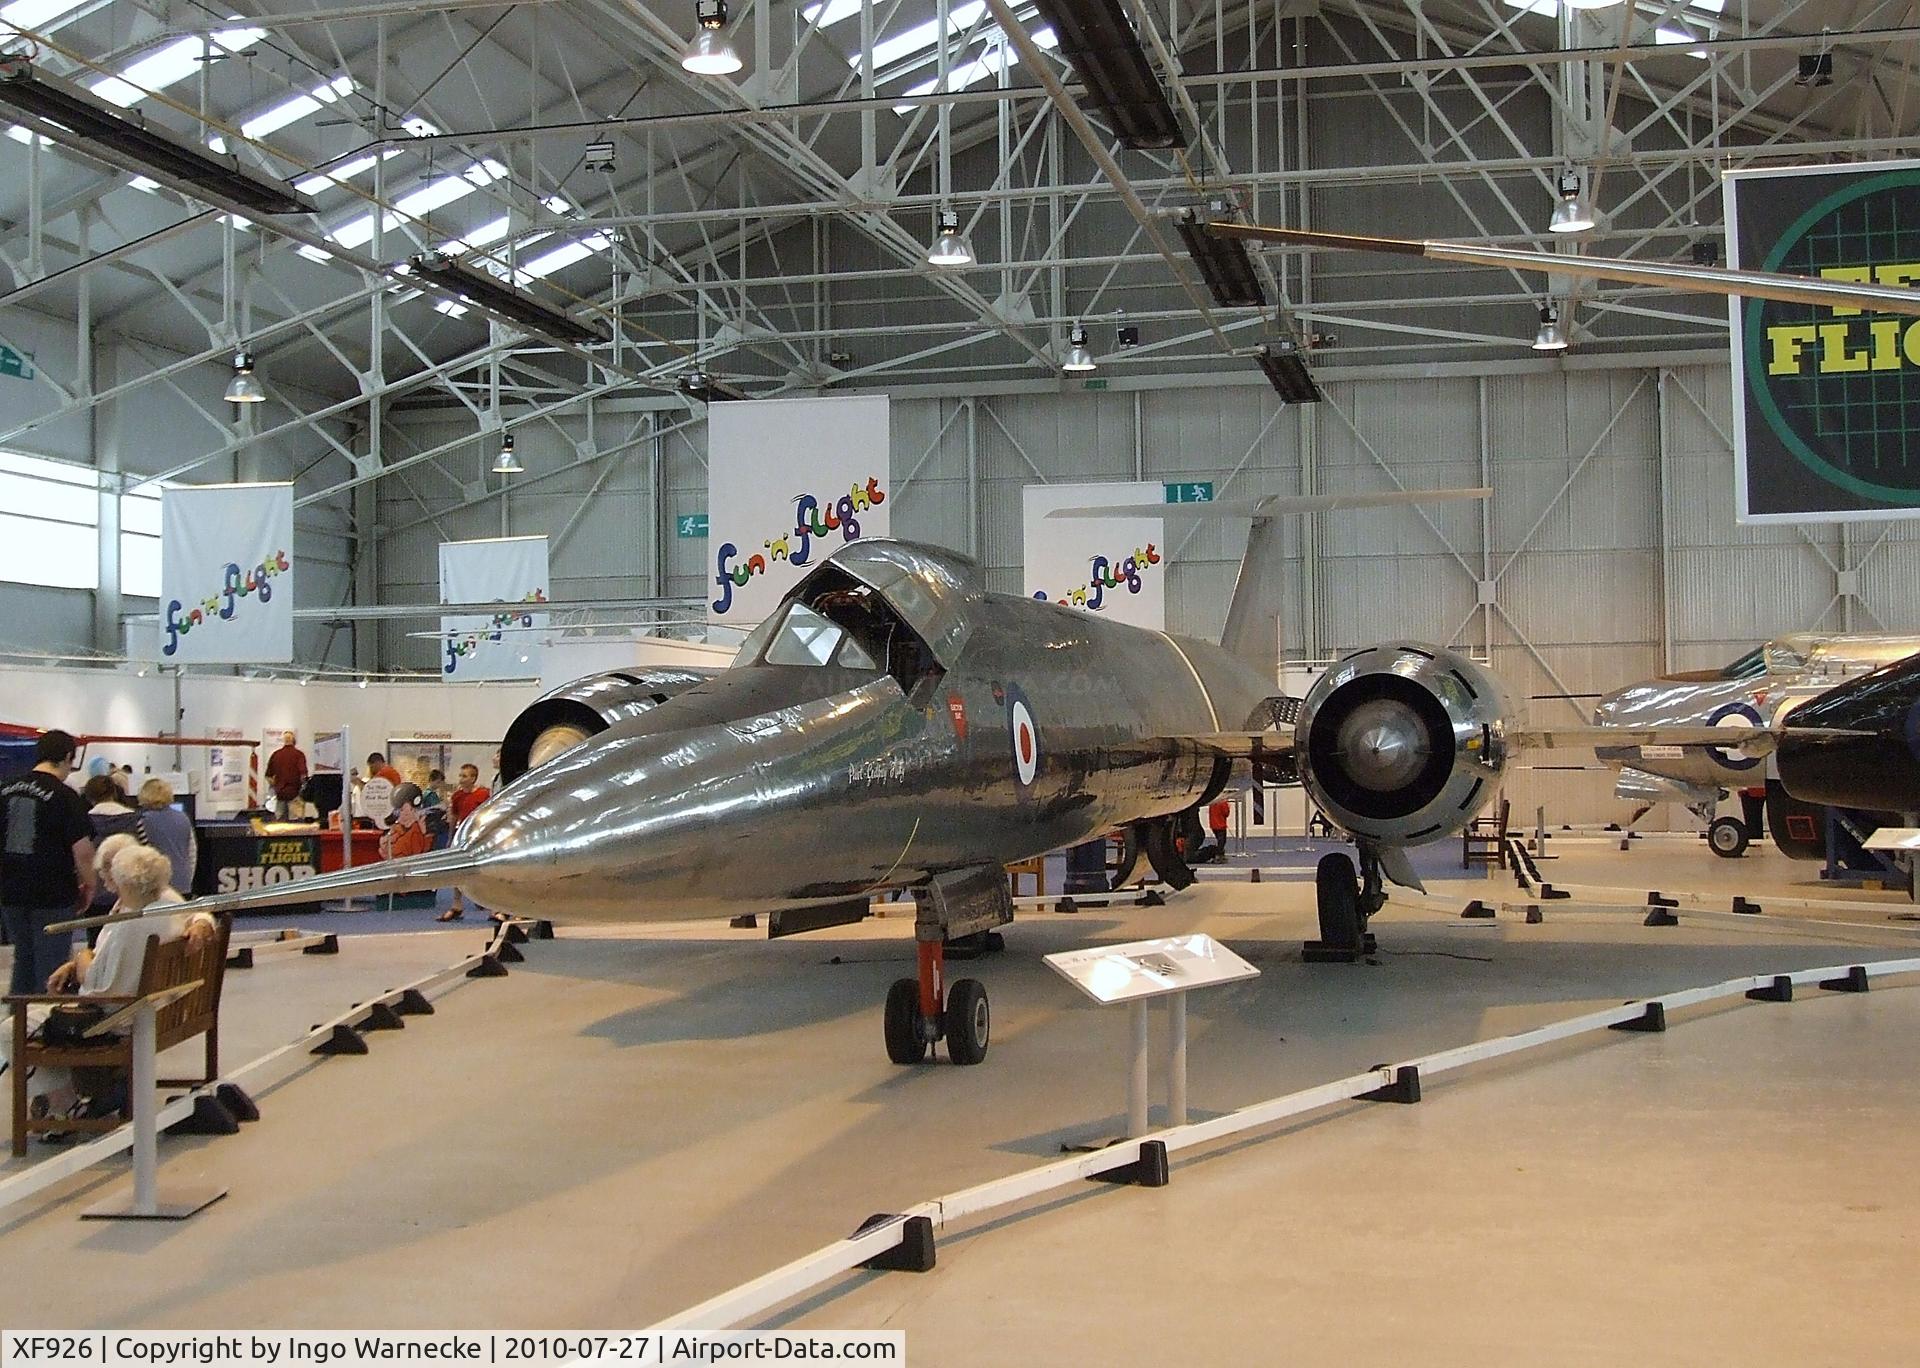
(1787, 342)
(1835, 359)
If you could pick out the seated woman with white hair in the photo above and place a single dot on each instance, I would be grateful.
(139, 874)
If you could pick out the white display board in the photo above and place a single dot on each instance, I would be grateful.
(510, 571)
(226, 574)
(789, 481)
(1149, 968)
(1112, 566)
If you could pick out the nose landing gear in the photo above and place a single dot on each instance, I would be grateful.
(915, 1018)
(1346, 902)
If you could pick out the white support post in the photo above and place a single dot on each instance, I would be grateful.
(1137, 1069)
(1177, 1060)
(148, 1203)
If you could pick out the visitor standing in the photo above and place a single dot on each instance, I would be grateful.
(169, 831)
(46, 861)
(287, 772)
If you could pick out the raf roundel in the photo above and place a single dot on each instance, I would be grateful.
(1026, 741)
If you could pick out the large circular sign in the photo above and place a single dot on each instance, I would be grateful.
(1840, 389)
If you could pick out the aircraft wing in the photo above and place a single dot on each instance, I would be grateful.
(1754, 741)
(411, 874)
(1243, 745)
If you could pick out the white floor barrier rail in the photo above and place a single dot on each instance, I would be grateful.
(904, 1240)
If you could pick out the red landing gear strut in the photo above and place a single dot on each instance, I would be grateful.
(915, 1019)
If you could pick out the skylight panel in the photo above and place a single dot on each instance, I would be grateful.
(451, 308)
(340, 175)
(480, 237)
(830, 12)
(980, 68)
(921, 38)
(436, 194)
(293, 110)
(563, 256)
(172, 63)
(35, 14)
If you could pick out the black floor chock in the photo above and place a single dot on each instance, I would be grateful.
(914, 1253)
(1780, 990)
(380, 1017)
(343, 1040)
(1404, 1089)
(1853, 981)
(1149, 1170)
(329, 944)
(412, 1002)
(208, 1117)
(1654, 1018)
(238, 1104)
(488, 967)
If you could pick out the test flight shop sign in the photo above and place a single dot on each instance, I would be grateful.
(1826, 400)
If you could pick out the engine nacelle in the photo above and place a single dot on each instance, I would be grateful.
(1402, 744)
(557, 722)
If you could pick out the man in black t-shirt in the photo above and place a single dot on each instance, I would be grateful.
(46, 862)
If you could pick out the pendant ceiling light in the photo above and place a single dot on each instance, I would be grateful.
(244, 388)
(506, 464)
(950, 246)
(1574, 212)
(1551, 337)
(1078, 360)
(710, 54)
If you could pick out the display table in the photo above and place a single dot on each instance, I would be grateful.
(366, 849)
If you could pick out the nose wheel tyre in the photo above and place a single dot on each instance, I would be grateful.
(1728, 837)
(906, 1041)
(968, 1021)
(1337, 891)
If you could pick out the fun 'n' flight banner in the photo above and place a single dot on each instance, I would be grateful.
(226, 574)
(1826, 401)
(789, 482)
(504, 644)
(1115, 567)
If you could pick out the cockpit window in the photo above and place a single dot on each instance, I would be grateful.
(804, 638)
(840, 619)
(1748, 666)
(853, 656)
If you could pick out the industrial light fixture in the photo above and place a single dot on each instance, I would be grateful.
(950, 246)
(599, 158)
(70, 114)
(1286, 370)
(710, 54)
(697, 384)
(1224, 263)
(503, 300)
(1551, 337)
(506, 463)
(1078, 360)
(1574, 212)
(1099, 42)
(244, 388)
(1127, 338)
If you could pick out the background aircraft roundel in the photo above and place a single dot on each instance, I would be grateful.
(1738, 716)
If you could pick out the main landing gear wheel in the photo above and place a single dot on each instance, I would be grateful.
(1336, 888)
(1728, 837)
(968, 1021)
(906, 1039)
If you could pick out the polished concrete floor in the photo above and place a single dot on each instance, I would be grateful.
(633, 1121)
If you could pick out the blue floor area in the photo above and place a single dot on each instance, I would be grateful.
(375, 921)
(1440, 860)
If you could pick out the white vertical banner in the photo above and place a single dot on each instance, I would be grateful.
(789, 481)
(1111, 566)
(226, 574)
(509, 571)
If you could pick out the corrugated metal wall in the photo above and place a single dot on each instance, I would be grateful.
(1587, 593)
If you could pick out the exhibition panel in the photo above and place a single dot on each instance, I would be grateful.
(637, 636)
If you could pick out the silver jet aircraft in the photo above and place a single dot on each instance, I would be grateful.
(1758, 690)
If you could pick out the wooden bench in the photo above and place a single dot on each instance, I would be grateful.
(168, 964)
(1035, 869)
(1484, 840)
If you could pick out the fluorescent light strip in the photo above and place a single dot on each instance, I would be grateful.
(170, 64)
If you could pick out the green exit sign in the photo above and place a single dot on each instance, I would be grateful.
(19, 365)
(691, 524)
(1191, 491)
